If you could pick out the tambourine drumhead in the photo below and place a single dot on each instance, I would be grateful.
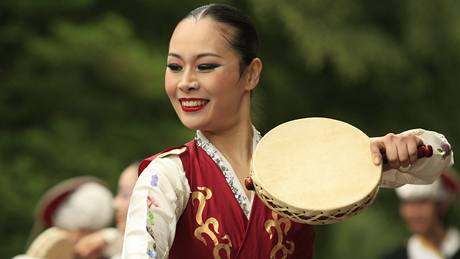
(315, 170)
(53, 243)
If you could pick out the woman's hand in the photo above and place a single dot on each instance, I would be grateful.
(400, 149)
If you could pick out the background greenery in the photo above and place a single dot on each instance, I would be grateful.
(82, 90)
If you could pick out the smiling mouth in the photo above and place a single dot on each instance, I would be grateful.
(192, 104)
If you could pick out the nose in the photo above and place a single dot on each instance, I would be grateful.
(188, 81)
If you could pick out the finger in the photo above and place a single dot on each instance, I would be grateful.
(376, 147)
(403, 153)
(391, 151)
(78, 252)
(418, 140)
(82, 249)
(77, 248)
(412, 150)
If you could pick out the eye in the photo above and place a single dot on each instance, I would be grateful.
(174, 67)
(207, 67)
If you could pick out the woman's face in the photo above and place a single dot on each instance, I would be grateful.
(202, 78)
(126, 184)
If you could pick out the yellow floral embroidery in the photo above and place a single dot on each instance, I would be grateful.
(204, 227)
(226, 247)
(276, 224)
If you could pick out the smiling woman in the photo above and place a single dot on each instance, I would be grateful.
(203, 78)
(189, 201)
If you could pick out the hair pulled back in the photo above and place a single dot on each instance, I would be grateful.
(244, 39)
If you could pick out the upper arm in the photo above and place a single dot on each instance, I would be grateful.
(158, 199)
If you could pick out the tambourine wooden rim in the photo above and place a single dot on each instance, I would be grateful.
(315, 170)
(53, 243)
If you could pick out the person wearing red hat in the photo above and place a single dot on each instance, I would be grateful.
(424, 209)
(110, 240)
(67, 212)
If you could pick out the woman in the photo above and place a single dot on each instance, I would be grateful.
(189, 201)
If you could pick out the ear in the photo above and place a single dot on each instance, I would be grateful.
(253, 73)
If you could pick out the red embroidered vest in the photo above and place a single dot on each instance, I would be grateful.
(213, 224)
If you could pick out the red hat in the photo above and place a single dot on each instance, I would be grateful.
(82, 202)
(63, 198)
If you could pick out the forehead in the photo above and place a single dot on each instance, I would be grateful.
(201, 35)
(419, 202)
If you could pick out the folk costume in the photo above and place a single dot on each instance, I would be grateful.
(189, 203)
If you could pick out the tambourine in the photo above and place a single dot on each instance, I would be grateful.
(53, 243)
(316, 170)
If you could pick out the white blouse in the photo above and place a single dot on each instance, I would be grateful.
(162, 192)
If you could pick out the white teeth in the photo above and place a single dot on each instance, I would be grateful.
(193, 103)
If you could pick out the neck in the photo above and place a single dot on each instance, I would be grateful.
(235, 144)
(436, 235)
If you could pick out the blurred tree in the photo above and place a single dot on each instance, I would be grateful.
(384, 67)
(400, 55)
(80, 94)
(82, 90)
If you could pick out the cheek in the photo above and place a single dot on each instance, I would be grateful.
(225, 85)
(428, 211)
(170, 86)
(404, 213)
(410, 212)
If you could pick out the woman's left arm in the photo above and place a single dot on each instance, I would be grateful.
(403, 166)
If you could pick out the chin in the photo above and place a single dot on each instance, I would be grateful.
(420, 229)
(191, 123)
(192, 126)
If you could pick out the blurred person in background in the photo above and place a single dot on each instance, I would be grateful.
(111, 240)
(424, 208)
(65, 214)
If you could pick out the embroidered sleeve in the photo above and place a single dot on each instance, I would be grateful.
(425, 170)
(159, 198)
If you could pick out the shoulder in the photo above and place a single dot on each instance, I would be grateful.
(163, 171)
(160, 157)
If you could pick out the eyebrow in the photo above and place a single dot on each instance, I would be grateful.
(206, 54)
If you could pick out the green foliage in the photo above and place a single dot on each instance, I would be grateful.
(81, 90)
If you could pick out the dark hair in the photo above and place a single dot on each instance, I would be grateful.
(244, 40)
